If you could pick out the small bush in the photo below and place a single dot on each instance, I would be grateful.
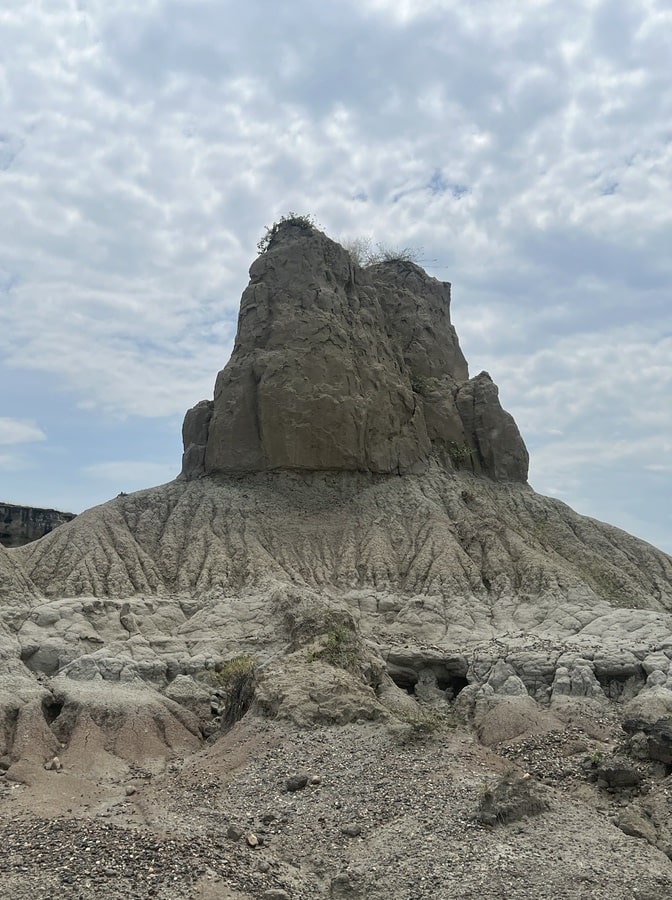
(459, 452)
(596, 756)
(363, 253)
(511, 798)
(398, 254)
(419, 384)
(227, 674)
(306, 223)
(338, 647)
(359, 250)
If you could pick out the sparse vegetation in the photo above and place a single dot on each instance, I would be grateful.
(364, 253)
(427, 723)
(459, 452)
(338, 647)
(595, 756)
(226, 675)
(305, 222)
(398, 254)
(419, 384)
(234, 685)
(511, 797)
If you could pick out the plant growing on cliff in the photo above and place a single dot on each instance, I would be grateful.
(459, 452)
(227, 674)
(364, 253)
(419, 384)
(306, 223)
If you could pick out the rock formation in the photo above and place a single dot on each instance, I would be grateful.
(352, 561)
(21, 524)
(339, 368)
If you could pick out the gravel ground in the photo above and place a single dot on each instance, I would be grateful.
(377, 812)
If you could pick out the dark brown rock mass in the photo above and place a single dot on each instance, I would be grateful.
(22, 524)
(341, 368)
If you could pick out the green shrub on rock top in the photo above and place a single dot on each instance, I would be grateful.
(306, 223)
(363, 252)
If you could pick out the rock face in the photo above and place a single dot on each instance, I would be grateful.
(338, 368)
(21, 524)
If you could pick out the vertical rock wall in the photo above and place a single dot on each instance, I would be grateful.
(22, 524)
(336, 367)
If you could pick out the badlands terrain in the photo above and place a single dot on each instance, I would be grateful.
(348, 652)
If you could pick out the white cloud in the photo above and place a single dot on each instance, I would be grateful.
(14, 431)
(144, 146)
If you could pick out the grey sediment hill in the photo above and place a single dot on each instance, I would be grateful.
(482, 547)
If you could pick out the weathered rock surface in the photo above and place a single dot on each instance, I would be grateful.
(21, 524)
(352, 579)
(360, 598)
(460, 583)
(339, 368)
(15, 586)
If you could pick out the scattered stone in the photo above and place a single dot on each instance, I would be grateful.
(632, 823)
(252, 839)
(296, 782)
(341, 887)
(234, 832)
(617, 772)
(510, 799)
(351, 830)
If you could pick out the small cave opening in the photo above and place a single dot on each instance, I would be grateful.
(51, 709)
(621, 685)
(405, 680)
(451, 683)
(445, 679)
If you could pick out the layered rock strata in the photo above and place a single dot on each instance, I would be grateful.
(21, 524)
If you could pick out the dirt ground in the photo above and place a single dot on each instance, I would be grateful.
(359, 811)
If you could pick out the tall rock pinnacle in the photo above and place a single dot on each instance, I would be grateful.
(338, 367)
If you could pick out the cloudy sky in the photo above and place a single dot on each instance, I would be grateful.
(524, 145)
